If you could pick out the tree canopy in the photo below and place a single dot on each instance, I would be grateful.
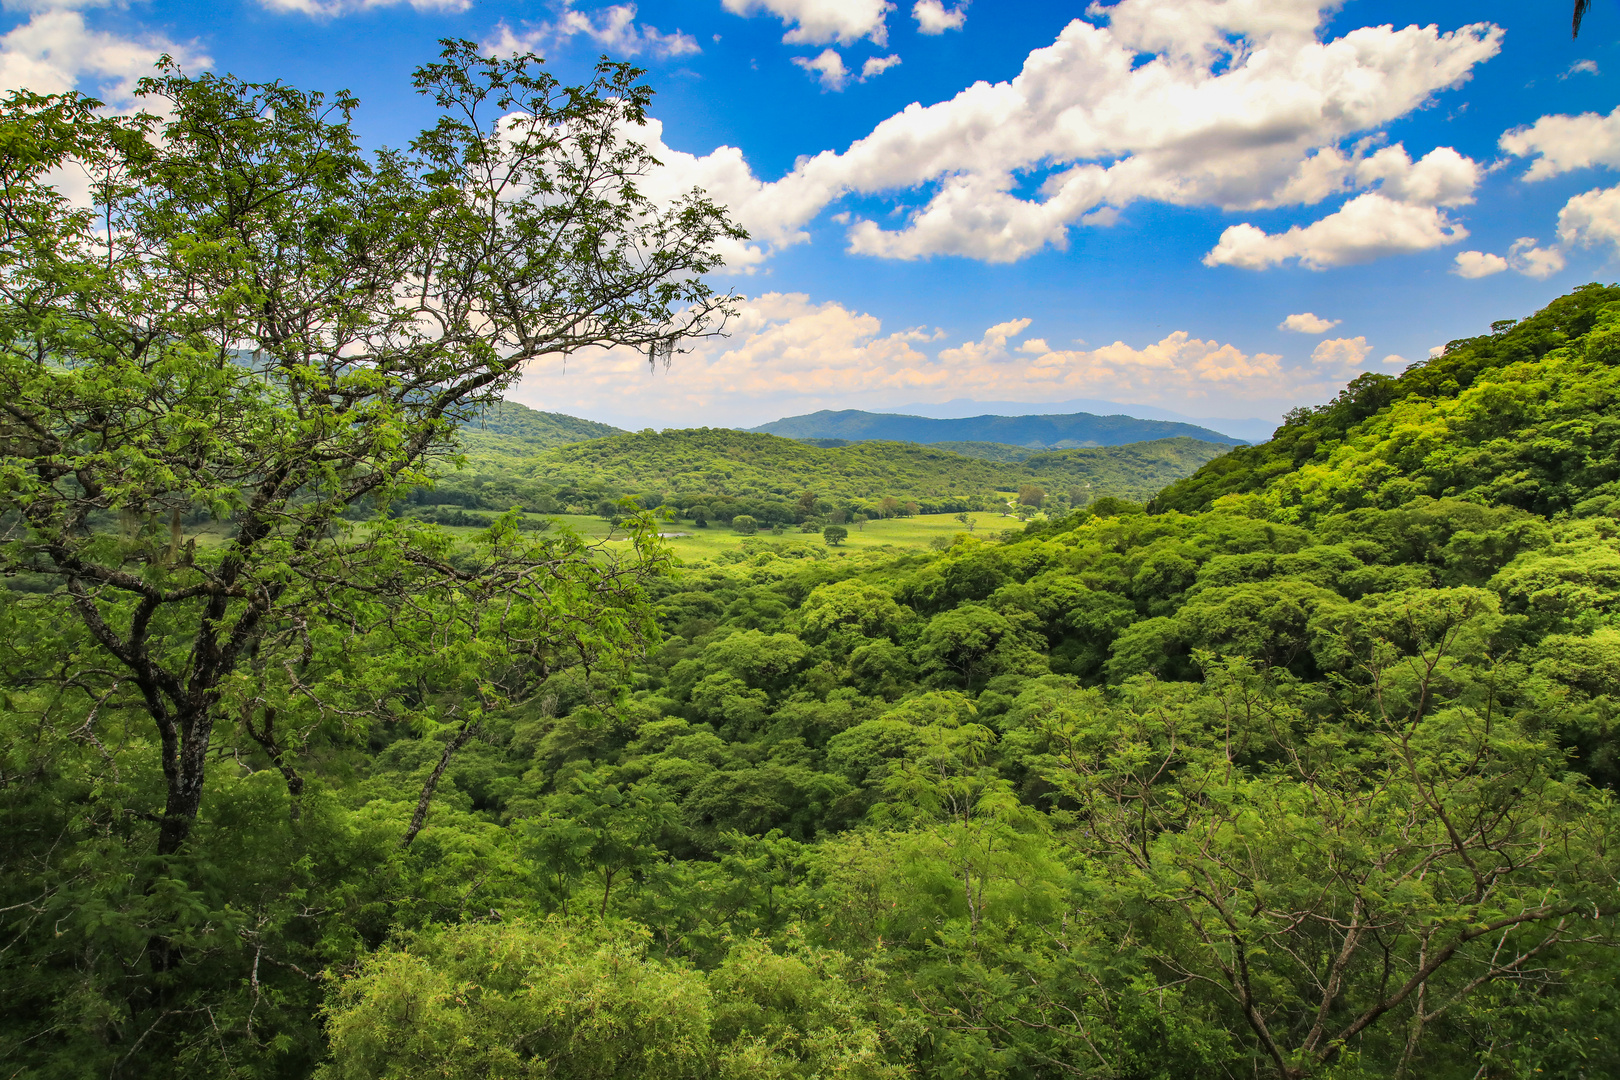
(1305, 769)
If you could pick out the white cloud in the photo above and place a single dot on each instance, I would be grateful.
(787, 354)
(1532, 261)
(933, 17)
(1341, 354)
(1393, 360)
(611, 28)
(819, 22)
(1591, 218)
(828, 68)
(1365, 228)
(877, 65)
(326, 9)
(1307, 323)
(1442, 177)
(1565, 143)
(1477, 264)
(726, 177)
(1581, 67)
(1241, 107)
(55, 51)
(992, 346)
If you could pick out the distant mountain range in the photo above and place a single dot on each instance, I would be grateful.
(1252, 429)
(1050, 432)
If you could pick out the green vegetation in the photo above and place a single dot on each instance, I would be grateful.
(1306, 769)
(785, 481)
(511, 429)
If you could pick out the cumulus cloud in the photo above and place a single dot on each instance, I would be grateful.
(1477, 264)
(1591, 219)
(789, 354)
(1341, 354)
(1581, 67)
(1565, 143)
(326, 9)
(1365, 228)
(828, 69)
(1532, 261)
(1209, 103)
(1307, 323)
(613, 29)
(934, 18)
(820, 22)
(55, 51)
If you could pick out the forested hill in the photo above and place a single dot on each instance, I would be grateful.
(1308, 772)
(1519, 417)
(509, 427)
(1047, 432)
(718, 460)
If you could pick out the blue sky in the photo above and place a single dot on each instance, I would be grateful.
(1216, 207)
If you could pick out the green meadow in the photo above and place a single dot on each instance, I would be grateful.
(691, 544)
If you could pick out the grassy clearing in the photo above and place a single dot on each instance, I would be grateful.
(691, 544)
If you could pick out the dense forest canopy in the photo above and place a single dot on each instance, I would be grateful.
(775, 480)
(1305, 768)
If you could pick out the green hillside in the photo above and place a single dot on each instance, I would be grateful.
(1518, 417)
(1075, 429)
(684, 467)
(990, 451)
(1305, 771)
(511, 428)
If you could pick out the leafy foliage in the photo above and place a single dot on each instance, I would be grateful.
(1308, 772)
(767, 477)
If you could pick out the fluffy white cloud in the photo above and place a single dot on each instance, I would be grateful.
(1591, 218)
(1367, 227)
(1564, 143)
(1581, 67)
(1307, 323)
(934, 18)
(1341, 354)
(818, 22)
(786, 354)
(1442, 177)
(612, 28)
(828, 69)
(1478, 264)
(326, 9)
(1532, 261)
(55, 51)
(1238, 105)
(877, 65)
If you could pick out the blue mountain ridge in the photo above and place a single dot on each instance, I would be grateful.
(1055, 432)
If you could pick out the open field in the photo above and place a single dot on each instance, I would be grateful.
(691, 544)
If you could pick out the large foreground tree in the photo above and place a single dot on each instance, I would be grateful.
(219, 370)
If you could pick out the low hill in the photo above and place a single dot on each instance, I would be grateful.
(513, 428)
(1523, 417)
(685, 464)
(1043, 432)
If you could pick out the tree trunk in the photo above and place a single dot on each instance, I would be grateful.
(184, 773)
(468, 730)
